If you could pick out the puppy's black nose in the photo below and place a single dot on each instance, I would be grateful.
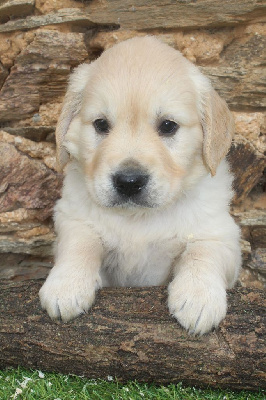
(130, 183)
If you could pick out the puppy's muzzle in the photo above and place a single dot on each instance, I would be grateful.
(130, 183)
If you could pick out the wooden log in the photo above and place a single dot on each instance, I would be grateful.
(129, 334)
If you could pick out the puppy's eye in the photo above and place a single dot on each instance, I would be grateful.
(167, 128)
(101, 126)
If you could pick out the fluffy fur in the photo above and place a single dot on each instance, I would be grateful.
(178, 231)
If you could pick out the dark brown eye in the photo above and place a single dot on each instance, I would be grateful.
(167, 128)
(101, 126)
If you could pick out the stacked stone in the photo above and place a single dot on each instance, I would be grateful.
(41, 41)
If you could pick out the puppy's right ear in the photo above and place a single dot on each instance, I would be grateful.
(71, 107)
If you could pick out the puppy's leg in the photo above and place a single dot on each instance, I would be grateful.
(197, 294)
(71, 285)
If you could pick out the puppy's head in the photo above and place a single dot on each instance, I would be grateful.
(143, 124)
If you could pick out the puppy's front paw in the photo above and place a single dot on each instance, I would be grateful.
(199, 305)
(67, 296)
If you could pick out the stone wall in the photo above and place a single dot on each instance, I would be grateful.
(41, 41)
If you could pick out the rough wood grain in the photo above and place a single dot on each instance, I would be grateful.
(129, 334)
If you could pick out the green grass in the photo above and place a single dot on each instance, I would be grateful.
(21, 384)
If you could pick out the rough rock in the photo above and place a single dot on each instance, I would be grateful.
(36, 133)
(20, 219)
(26, 182)
(251, 218)
(152, 14)
(21, 232)
(250, 279)
(40, 74)
(258, 261)
(253, 224)
(254, 272)
(15, 8)
(258, 236)
(148, 15)
(46, 6)
(66, 15)
(245, 250)
(3, 75)
(251, 126)
(40, 150)
(240, 71)
(19, 267)
(12, 44)
(247, 165)
(41, 245)
(41, 124)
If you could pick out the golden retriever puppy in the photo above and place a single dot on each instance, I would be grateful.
(142, 137)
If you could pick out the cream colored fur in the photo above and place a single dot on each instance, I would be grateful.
(183, 236)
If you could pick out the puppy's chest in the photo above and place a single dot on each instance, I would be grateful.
(139, 264)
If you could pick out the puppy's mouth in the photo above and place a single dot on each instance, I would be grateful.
(134, 202)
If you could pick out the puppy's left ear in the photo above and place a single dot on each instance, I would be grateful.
(218, 129)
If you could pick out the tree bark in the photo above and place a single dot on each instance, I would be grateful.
(129, 334)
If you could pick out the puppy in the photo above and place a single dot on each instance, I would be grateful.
(142, 137)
